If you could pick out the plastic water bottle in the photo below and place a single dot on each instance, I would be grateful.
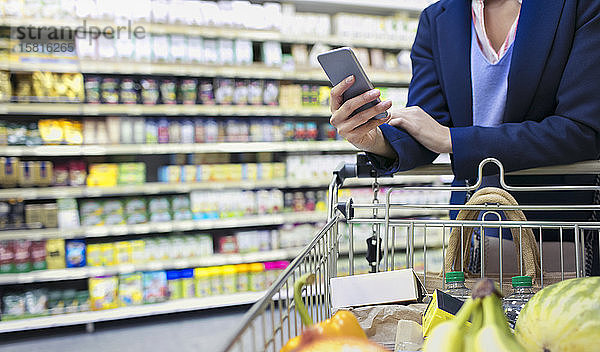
(455, 285)
(513, 303)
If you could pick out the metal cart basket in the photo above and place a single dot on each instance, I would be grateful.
(399, 235)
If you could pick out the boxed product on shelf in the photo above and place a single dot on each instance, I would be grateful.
(7, 257)
(155, 287)
(273, 270)
(242, 282)
(295, 235)
(103, 175)
(130, 290)
(67, 301)
(22, 256)
(229, 276)
(60, 131)
(103, 292)
(37, 254)
(49, 87)
(131, 173)
(114, 213)
(303, 167)
(75, 253)
(304, 23)
(215, 277)
(202, 282)
(159, 209)
(123, 252)
(174, 284)
(67, 216)
(91, 212)
(180, 207)
(55, 253)
(228, 245)
(94, 254)
(188, 287)
(108, 254)
(257, 278)
(136, 211)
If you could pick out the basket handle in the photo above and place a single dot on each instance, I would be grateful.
(492, 195)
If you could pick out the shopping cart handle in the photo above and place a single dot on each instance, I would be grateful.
(361, 169)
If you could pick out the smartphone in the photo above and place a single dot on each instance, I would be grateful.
(340, 63)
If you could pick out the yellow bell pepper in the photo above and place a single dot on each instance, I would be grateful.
(342, 324)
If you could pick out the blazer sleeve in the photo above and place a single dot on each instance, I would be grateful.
(425, 91)
(567, 136)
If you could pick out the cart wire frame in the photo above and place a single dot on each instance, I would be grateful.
(273, 320)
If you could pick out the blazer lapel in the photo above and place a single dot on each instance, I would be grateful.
(454, 43)
(535, 34)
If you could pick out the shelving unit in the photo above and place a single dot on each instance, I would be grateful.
(214, 260)
(165, 227)
(195, 70)
(214, 32)
(161, 187)
(182, 305)
(86, 272)
(147, 149)
(168, 110)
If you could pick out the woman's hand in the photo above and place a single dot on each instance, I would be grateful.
(423, 128)
(360, 129)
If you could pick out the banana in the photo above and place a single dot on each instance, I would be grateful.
(449, 335)
(495, 335)
(476, 324)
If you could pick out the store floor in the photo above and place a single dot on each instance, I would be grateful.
(193, 332)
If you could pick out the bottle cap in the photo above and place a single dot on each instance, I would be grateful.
(521, 281)
(455, 276)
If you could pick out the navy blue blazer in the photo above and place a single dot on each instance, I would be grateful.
(552, 111)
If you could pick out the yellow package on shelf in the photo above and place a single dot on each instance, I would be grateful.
(229, 279)
(202, 281)
(108, 254)
(123, 252)
(103, 292)
(215, 275)
(94, 255)
(103, 175)
(138, 251)
(55, 257)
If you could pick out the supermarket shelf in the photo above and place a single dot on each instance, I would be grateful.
(169, 110)
(146, 149)
(165, 227)
(183, 305)
(161, 187)
(86, 272)
(181, 69)
(218, 32)
(213, 260)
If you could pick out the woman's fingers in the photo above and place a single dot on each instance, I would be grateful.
(364, 116)
(337, 91)
(348, 107)
(362, 131)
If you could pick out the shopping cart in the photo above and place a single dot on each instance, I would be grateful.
(397, 241)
